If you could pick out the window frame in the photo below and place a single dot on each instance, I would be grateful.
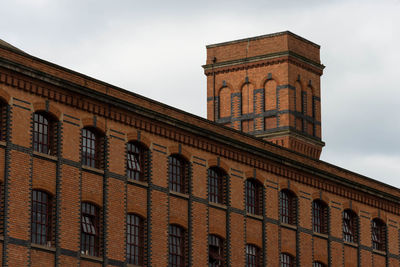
(288, 207)
(178, 168)
(3, 120)
(253, 256)
(176, 246)
(254, 196)
(92, 142)
(287, 260)
(90, 218)
(135, 239)
(350, 226)
(137, 155)
(216, 251)
(318, 264)
(378, 234)
(41, 237)
(216, 185)
(320, 218)
(43, 133)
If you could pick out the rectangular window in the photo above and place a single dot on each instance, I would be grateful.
(90, 230)
(135, 240)
(41, 218)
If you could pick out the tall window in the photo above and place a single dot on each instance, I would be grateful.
(287, 260)
(43, 134)
(350, 226)
(216, 251)
(378, 234)
(176, 246)
(3, 120)
(254, 199)
(318, 264)
(41, 218)
(137, 161)
(253, 258)
(135, 239)
(92, 148)
(320, 217)
(90, 228)
(178, 174)
(288, 207)
(216, 185)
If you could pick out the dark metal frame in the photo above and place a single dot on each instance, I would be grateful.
(135, 239)
(320, 216)
(216, 190)
(42, 133)
(41, 219)
(253, 197)
(350, 229)
(378, 234)
(136, 161)
(216, 252)
(288, 207)
(177, 254)
(90, 229)
(177, 173)
(253, 258)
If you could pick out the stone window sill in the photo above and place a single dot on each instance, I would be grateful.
(217, 205)
(46, 156)
(186, 196)
(140, 183)
(290, 226)
(91, 258)
(258, 217)
(42, 247)
(325, 236)
(87, 168)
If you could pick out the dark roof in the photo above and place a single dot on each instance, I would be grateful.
(9, 46)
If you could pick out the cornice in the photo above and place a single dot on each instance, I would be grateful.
(264, 60)
(192, 135)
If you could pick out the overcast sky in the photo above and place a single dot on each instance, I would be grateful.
(156, 49)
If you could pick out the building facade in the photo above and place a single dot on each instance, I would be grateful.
(94, 175)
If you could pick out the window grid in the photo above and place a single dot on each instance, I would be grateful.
(287, 260)
(318, 264)
(288, 207)
(216, 185)
(136, 162)
(253, 198)
(378, 235)
(41, 218)
(177, 174)
(135, 239)
(176, 246)
(41, 134)
(89, 148)
(252, 256)
(320, 217)
(90, 230)
(349, 226)
(216, 251)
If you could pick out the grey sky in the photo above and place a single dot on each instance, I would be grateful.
(156, 48)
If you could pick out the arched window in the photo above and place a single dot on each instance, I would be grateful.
(378, 234)
(216, 255)
(44, 133)
(287, 260)
(137, 161)
(318, 264)
(288, 207)
(320, 216)
(350, 226)
(178, 173)
(216, 185)
(135, 239)
(3, 120)
(92, 148)
(177, 245)
(224, 107)
(253, 257)
(90, 229)
(254, 199)
(41, 219)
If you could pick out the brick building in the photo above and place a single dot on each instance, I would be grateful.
(94, 175)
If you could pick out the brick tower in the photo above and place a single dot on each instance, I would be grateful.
(268, 86)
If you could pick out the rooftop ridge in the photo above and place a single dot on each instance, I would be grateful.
(263, 37)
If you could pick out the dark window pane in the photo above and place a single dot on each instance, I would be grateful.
(41, 218)
(135, 240)
(89, 229)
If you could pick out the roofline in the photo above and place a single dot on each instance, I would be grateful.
(263, 37)
(186, 125)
